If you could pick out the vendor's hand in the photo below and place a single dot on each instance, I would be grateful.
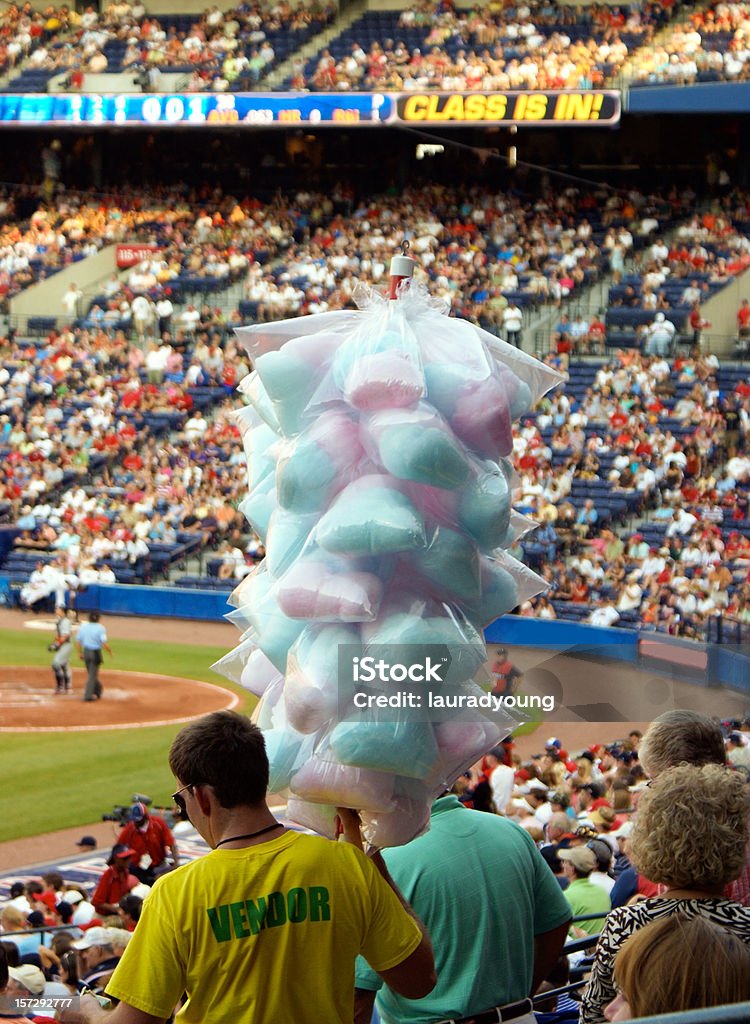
(347, 826)
(89, 1012)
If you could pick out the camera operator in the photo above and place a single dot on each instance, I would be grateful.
(151, 838)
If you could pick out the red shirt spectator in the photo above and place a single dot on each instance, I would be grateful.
(115, 882)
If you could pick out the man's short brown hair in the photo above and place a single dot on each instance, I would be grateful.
(224, 750)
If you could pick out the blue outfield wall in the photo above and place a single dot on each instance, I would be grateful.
(720, 664)
(558, 635)
(164, 602)
(731, 667)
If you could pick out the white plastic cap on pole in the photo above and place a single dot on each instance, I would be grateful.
(402, 269)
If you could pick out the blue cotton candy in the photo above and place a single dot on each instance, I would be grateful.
(522, 401)
(276, 632)
(252, 386)
(444, 382)
(259, 506)
(407, 748)
(451, 561)
(286, 536)
(410, 637)
(290, 383)
(287, 751)
(315, 688)
(319, 463)
(425, 455)
(261, 463)
(317, 651)
(499, 591)
(484, 510)
(370, 520)
(305, 478)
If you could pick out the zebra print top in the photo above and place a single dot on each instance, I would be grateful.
(622, 922)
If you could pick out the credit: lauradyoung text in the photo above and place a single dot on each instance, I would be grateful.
(458, 701)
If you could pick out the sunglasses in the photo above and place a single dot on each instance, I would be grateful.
(178, 799)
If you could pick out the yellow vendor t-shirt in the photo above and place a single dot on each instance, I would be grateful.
(264, 935)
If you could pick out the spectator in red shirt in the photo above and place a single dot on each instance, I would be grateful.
(116, 881)
(150, 838)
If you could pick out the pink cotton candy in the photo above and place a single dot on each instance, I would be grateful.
(311, 702)
(338, 435)
(258, 673)
(460, 740)
(325, 782)
(409, 818)
(383, 380)
(312, 590)
(320, 818)
(481, 417)
(461, 744)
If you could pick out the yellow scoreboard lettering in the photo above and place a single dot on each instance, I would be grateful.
(345, 114)
(292, 116)
(530, 107)
(462, 108)
(415, 108)
(456, 107)
(578, 107)
(497, 105)
(561, 108)
(536, 109)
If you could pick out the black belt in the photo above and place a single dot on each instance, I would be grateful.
(497, 1015)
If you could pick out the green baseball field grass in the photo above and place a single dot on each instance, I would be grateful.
(59, 780)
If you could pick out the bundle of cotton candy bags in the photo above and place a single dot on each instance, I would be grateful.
(378, 446)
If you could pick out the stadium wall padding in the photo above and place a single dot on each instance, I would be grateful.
(701, 98)
(166, 602)
(731, 666)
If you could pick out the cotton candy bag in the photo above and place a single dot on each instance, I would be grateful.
(377, 443)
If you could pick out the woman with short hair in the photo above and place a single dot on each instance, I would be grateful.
(690, 835)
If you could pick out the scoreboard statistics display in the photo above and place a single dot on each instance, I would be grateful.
(284, 110)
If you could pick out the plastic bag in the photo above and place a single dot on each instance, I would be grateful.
(377, 444)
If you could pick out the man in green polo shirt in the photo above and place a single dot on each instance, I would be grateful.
(582, 895)
(495, 912)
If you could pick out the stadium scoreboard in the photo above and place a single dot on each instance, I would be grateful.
(311, 110)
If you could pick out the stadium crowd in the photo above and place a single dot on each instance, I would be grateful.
(112, 468)
(680, 461)
(608, 821)
(534, 46)
(25, 32)
(708, 45)
(427, 46)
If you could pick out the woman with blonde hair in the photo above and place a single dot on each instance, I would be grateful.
(656, 970)
(690, 835)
